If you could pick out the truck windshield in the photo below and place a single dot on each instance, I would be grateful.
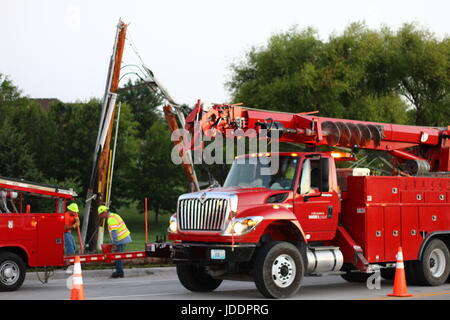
(252, 173)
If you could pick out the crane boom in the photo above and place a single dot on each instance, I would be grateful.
(421, 149)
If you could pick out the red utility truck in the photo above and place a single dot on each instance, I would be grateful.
(310, 217)
(32, 238)
(29, 239)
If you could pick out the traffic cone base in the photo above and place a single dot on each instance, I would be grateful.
(77, 282)
(400, 289)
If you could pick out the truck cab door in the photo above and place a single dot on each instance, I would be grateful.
(316, 202)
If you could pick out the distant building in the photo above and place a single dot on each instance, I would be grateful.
(46, 103)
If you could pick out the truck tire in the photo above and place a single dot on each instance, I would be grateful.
(278, 270)
(194, 278)
(434, 267)
(358, 277)
(12, 271)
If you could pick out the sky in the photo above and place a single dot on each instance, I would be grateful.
(61, 48)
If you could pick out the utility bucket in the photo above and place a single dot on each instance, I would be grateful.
(107, 248)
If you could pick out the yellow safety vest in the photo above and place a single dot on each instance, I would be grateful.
(115, 222)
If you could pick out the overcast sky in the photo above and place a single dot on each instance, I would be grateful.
(61, 49)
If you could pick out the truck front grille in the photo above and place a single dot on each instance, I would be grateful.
(207, 215)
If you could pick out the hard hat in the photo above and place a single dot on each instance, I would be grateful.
(73, 207)
(102, 209)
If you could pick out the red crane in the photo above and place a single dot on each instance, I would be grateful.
(420, 149)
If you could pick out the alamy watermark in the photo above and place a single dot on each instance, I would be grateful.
(214, 147)
(374, 281)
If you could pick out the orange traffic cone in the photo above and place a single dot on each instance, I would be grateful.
(77, 281)
(400, 289)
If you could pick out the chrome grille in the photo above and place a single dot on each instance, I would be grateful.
(206, 215)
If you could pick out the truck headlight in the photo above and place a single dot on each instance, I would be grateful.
(243, 225)
(173, 224)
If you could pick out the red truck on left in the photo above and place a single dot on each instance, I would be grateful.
(29, 239)
(36, 239)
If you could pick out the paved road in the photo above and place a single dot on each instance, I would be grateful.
(162, 284)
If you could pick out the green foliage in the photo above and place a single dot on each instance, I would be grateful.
(126, 174)
(16, 157)
(73, 131)
(281, 76)
(143, 104)
(360, 74)
(161, 181)
(420, 66)
(9, 93)
(56, 147)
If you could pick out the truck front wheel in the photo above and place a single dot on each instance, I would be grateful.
(12, 271)
(278, 269)
(194, 278)
(434, 268)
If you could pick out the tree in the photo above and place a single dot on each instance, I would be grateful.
(360, 74)
(280, 76)
(160, 180)
(143, 104)
(126, 175)
(355, 78)
(16, 157)
(420, 64)
(8, 91)
(74, 129)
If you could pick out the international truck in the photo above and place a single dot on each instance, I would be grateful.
(312, 216)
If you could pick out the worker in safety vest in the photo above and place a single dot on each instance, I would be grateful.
(119, 233)
(71, 221)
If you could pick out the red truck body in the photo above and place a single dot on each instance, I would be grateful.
(357, 224)
(384, 213)
(38, 236)
(29, 239)
(380, 213)
(324, 219)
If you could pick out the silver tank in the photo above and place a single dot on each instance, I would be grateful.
(324, 259)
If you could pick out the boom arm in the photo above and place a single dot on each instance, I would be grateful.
(422, 149)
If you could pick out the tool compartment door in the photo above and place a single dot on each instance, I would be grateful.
(392, 232)
(50, 239)
(374, 246)
(411, 239)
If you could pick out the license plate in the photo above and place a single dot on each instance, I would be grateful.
(218, 254)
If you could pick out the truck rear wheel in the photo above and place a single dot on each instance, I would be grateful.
(12, 271)
(278, 270)
(194, 278)
(434, 268)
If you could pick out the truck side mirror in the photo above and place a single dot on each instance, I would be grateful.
(324, 174)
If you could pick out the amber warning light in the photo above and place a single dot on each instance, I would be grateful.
(343, 156)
